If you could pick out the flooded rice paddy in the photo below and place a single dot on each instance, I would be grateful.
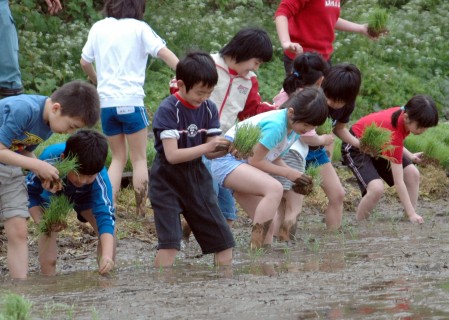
(385, 268)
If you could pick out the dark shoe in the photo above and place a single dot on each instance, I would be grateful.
(5, 92)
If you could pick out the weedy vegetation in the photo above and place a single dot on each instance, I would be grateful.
(15, 307)
(325, 128)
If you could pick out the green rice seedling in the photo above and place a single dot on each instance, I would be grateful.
(246, 137)
(325, 128)
(305, 184)
(377, 22)
(15, 307)
(66, 165)
(375, 141)
(55, 215)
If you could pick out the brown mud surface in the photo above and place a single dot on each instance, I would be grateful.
(382, 268)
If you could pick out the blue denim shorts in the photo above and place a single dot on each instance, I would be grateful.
(127, 120)
(222, 167)
(226, 200)
(317, 157)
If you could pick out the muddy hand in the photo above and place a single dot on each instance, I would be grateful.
(304, 180)
(52, 186)
(106, 265)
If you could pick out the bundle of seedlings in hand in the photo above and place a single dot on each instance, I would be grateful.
(325, 128)
(311, 177)
(375, 141)
(66, 165)
(246, 137)
(54, 218)
(377, 22)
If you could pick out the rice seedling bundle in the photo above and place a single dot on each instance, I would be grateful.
(305, 184)
(54, 217)
(377, 22)
(66, 165)
(15, 306)
(375, 141)
(246, 137)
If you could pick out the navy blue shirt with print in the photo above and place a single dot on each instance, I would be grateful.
(176, 119)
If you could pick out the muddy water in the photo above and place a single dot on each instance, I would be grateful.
(385, 268)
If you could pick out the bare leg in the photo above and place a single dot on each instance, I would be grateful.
(16, 233)
(119, 157)
(137, 143)
(257, 193)
(48, 253)
(411, 180)
(293, 207)
(335, 194)
(165, 258)
(374, 192)
(223, 258)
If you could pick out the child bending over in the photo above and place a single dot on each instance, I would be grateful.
(88, 188)
(415, 117)
(258, 193)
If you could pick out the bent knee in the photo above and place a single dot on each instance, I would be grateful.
(376, 188)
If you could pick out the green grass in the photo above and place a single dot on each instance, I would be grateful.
(325, 128)
(434, 142)
(14, 307)
(411, 59)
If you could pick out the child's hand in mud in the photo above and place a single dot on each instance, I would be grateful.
(106, 265)
(52, 186)
(417, 157)
(416, 218)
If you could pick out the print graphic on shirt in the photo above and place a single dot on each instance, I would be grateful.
(30, 140)
(242, 89)
(330, 3)
(192, 130)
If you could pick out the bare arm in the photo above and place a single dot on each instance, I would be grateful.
(168, 57)
(348, 26)
(277, 167)
(398, 177)
(42, 169)
(343, 133)
(89, 70)
(175, 155)
(284, 36)
(318, 140)
(106, 263)
(413, 157)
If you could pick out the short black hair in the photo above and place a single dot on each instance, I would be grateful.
(120, 9)
(309, 106)
(197, 67)
(342, 83)
(90, 147)
(249, 43)
(79, 99)
(308, 68)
